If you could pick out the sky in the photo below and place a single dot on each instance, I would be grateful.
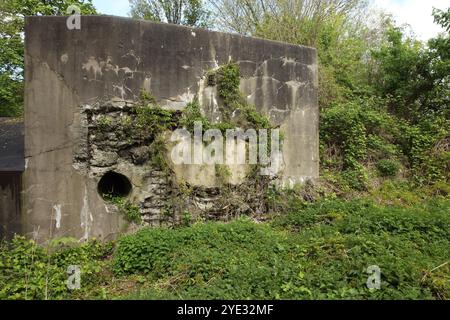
(416, 13)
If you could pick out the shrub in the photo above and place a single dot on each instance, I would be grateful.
(314, 251)
(388, 168)
(228, 80)
(26, 272)
(193, 114)
(352, 133)
(425, 144)
(29, 271)
(356, 177)
(406, 243)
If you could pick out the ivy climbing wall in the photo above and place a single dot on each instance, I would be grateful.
(101, 103)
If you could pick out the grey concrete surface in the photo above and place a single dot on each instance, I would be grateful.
(112, 59)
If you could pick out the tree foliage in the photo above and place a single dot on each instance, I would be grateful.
(384, 95)
(370, 71)
(184, 12)
(12, 13)
(337, 28)
(248, 16)
(416, 77)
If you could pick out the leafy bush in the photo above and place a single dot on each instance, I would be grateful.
(356, 177)
(29, 271)
(406, 243)
(228, 80)
(354, 134)
(26, 272)
(192, 114)
(151, 119)
(388, 168)
(312, 251)
(315, 251)
(213, 260)
(366, 217)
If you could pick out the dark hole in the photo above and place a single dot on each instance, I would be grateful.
(212, 80)
(114, 184)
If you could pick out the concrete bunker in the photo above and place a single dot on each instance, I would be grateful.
(88, 133)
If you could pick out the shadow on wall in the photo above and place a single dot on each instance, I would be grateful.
(12, 165)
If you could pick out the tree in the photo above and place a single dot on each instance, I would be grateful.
(247, 16)
(184, 12)
(414, 76)
(337, 28)
(12, 13)
(442, 18)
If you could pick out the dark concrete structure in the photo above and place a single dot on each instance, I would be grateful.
(104, 66)
(11, 167)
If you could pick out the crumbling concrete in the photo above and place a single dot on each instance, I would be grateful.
(74, 76)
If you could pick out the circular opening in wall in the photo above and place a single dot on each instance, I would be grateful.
(114, 184)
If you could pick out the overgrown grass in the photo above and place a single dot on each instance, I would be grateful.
(319, 251)
(29, 271)
(311, 251)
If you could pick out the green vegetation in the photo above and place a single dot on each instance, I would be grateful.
(185, 12)
(151, 119)
(192, 114)
(29, 271)
(104, 123)
(158, 155)
(12, 24)
(129, 211)
(313, 251)
(384, 148)
(227, 79)
(388, 168)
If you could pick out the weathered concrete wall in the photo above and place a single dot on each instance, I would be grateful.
(112, 59)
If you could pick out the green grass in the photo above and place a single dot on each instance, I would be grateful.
(311, 251)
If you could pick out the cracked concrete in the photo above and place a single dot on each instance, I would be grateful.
(96, 66)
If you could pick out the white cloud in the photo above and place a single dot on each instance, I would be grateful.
(416, 13)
